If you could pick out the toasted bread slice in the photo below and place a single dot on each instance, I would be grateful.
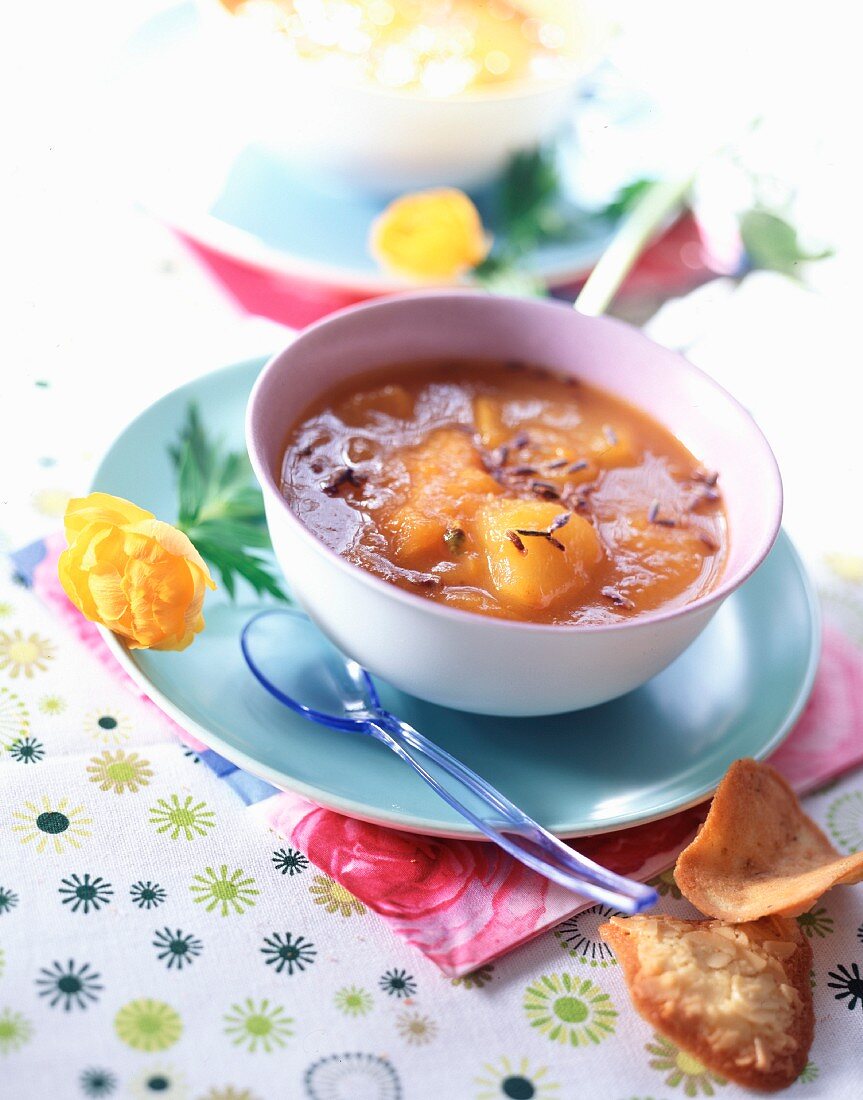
(736, 996)
(758, 854)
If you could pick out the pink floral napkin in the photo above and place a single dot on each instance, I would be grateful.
(464, 903)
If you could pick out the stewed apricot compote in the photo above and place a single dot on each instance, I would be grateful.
(504, 489)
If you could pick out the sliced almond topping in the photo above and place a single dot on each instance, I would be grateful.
(737, 997)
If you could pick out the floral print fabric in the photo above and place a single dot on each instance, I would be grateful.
(161, 937)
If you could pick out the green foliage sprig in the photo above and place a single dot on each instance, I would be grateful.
(528, 206)
(772, 243)
(221, 508)
(531, 209)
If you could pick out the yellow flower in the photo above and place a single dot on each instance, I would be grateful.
(429, 235)
(139, 577)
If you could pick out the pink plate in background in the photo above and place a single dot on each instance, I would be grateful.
(293, 247)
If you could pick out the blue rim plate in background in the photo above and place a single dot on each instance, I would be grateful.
(737, 691)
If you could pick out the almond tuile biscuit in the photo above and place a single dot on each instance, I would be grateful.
(758, 853)
(737, 997)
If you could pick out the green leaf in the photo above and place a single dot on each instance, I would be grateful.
(627, 197)
(528, 195)
(235, 474)
(191, 486)
(221, 508)
(230, 563)
(501, 276)
(232, 533)
(529, 209)
(772, 243)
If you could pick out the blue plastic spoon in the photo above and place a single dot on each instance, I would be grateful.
(326, 686)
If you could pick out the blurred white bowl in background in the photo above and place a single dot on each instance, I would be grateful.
(388, 140)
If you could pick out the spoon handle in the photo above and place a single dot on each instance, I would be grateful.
(507, 825)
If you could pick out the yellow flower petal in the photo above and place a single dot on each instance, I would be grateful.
(432, 235)
(106, 588)
(73, 580)
(177, 543)
(138, 576)
(101, 508)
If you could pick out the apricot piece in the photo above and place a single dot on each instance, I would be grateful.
(488, 421)
(611, 447)
(418, 534)
(530, 572)
(548, 447)
(561, 465)
(445, 467)
(446, 483)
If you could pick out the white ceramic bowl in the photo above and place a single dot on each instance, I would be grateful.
(467, 660)
(390, 141)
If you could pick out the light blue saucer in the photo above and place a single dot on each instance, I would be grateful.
(736, 692)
